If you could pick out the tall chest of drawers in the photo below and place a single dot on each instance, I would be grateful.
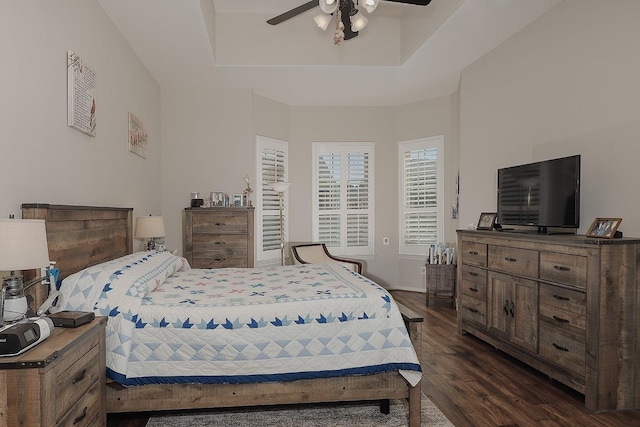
(218, 237)
(568, 306)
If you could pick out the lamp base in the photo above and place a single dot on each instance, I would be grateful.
(15, 309)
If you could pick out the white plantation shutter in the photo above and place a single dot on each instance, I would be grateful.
(273, 166)
(420, 205)
(343, 197)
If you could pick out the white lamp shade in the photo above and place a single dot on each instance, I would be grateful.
(323, 21)
(358, 22)
(328, 6)
(148, 227)
(280, 187)
(370, 5)
(23, 244)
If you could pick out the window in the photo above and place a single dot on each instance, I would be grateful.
(420, 177)
(272, 165)
(343, 197)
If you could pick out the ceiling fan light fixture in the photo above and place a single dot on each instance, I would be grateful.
(323, 21)
(358, 22)
(370, 5)
(327, 7)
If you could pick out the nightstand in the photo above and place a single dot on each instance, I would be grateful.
(61, 381)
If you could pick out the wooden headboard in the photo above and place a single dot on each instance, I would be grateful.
(81, 236)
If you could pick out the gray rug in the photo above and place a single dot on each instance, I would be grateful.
(335, 415)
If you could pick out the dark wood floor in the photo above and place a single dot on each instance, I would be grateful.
(475, 385)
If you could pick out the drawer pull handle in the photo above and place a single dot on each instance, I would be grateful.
(505, 307)
(81, 416)
(562, 268)
(561, 298)
(220, 224)
(473, 273)
(473, 289)
(221, 259)
(473, 252)
(560, 319)
(80, 377)
(509, 259)
(221, 243)
(559, 347)
(511, 309)
(473, 310)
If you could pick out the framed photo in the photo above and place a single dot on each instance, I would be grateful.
(486, 221)
(604, 228)
(237, 200)
(217, 199)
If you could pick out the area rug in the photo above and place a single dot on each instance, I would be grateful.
(335, 415)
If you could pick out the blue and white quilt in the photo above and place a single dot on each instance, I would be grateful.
(169, 323)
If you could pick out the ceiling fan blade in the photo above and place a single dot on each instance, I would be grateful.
(294, 12)
(416, 2)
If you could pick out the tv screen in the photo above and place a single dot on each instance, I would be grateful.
(543, 194)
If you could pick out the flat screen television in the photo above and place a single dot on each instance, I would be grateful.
(541, 194)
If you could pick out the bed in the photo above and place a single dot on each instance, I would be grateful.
(80, 237)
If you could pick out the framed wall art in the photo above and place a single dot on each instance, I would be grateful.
(81, 100)
(138, 136)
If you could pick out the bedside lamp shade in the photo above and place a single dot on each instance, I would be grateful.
(149, 227)
(23, 244)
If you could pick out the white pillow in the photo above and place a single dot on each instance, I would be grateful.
(136, 274)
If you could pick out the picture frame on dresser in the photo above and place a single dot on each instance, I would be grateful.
(486, 221)
(217, 199)
(604, 228)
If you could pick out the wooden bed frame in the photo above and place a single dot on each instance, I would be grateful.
(81, 236)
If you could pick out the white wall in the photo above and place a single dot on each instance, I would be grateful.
(384, 126)
(207, 145)
(566, 84)
(45, 161)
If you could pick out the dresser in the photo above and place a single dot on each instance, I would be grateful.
(566, 305)
(59, 382)
(218, 237)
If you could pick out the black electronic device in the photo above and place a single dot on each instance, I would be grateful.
(543, 194)
(71, 319)
(21, 336)
(197, 203)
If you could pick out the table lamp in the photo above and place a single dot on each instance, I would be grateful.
(152, 228)
(23, 246)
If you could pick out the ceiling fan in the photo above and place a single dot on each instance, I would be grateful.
(346, 9)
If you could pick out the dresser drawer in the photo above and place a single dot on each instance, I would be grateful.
(474, 253)
(86, 410)
(523, 262)
(474, 310)
(220, 243)
(73, 382)
(219, 223)
(562, 347)
(563, 308)
(474, 282)
(564, 268)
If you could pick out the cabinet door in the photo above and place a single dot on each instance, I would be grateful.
(513, 313)
(499, 300)
(524, 319)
